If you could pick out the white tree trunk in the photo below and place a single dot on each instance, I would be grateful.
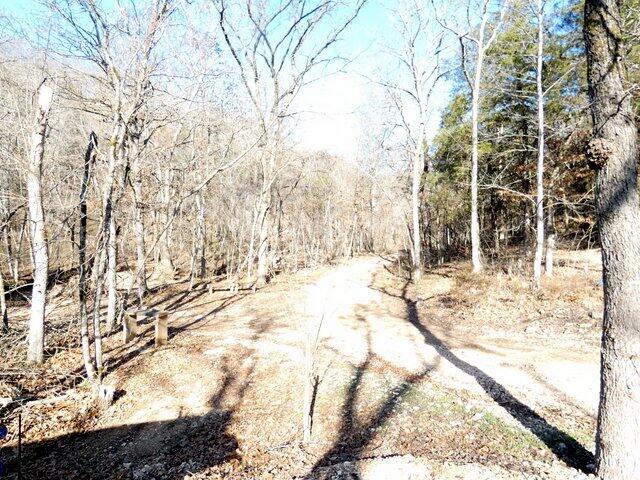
(476, 259)
(89, 160)
(551, 249)
(112, 261)
(537, 262)
(138, 218)
(418, 168)
(4, 317)
(263, 238)
(35, 348)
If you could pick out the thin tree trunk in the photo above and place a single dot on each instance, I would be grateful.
(251, 255)
(112, 261)
(307, 404)
(18, 251)
(10, 259)
(476, 259)
(551, 240)
(138, 216)
(89, 160)
(613, 151)
(537, 262)
(200, 257)
(418, 168)
(263, 238)
(166, 262)
(101, 258)
(3, 306)
(35, 349)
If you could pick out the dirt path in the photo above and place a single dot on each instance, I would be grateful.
(395, 394)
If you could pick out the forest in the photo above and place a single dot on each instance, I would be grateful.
(319, 239)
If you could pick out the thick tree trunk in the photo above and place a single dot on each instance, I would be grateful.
(35, 348)
(613, 151)
(537, 261)
(89, 160)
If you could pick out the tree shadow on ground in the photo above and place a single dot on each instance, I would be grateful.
(563, 445)
(355, 435)
(357, 431)
(166, 450)
(121, 355)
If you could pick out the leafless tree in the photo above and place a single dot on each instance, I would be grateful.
(39, 246)
(475, 41)
(540, 237)
(419, 59)
(278, 48)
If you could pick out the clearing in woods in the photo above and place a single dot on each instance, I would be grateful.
(405, 388)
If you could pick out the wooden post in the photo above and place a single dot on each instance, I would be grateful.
(130, 326)
(162, 333)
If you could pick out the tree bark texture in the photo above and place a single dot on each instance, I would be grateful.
(613, 152)
(35, 348)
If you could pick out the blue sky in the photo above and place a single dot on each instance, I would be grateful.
(337, 111)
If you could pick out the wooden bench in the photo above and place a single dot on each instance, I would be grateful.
(132, 320)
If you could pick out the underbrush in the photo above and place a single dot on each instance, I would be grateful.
(504, 300)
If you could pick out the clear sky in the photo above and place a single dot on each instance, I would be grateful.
(343, 108)
(336, 111)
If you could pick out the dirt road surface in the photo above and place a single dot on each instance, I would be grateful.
(398, 396)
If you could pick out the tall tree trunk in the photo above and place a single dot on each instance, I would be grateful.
(101, 259)
(201, 233)
(138, 218)
(613, 151)
(418, 168)
(112, 262)
(165, 260)
(476, 260)
(89, 160)
(35, 348)
(537, 262)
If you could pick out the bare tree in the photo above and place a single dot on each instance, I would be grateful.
(276, 59)
(537, 262)
(473, 48)
(613, 152)
(39, 247)
(89, 161)
(119, 44)
(419, 61)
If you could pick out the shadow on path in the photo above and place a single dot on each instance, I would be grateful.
(355, 433)
(563, 445)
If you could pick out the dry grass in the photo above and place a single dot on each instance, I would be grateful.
(493, 301)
